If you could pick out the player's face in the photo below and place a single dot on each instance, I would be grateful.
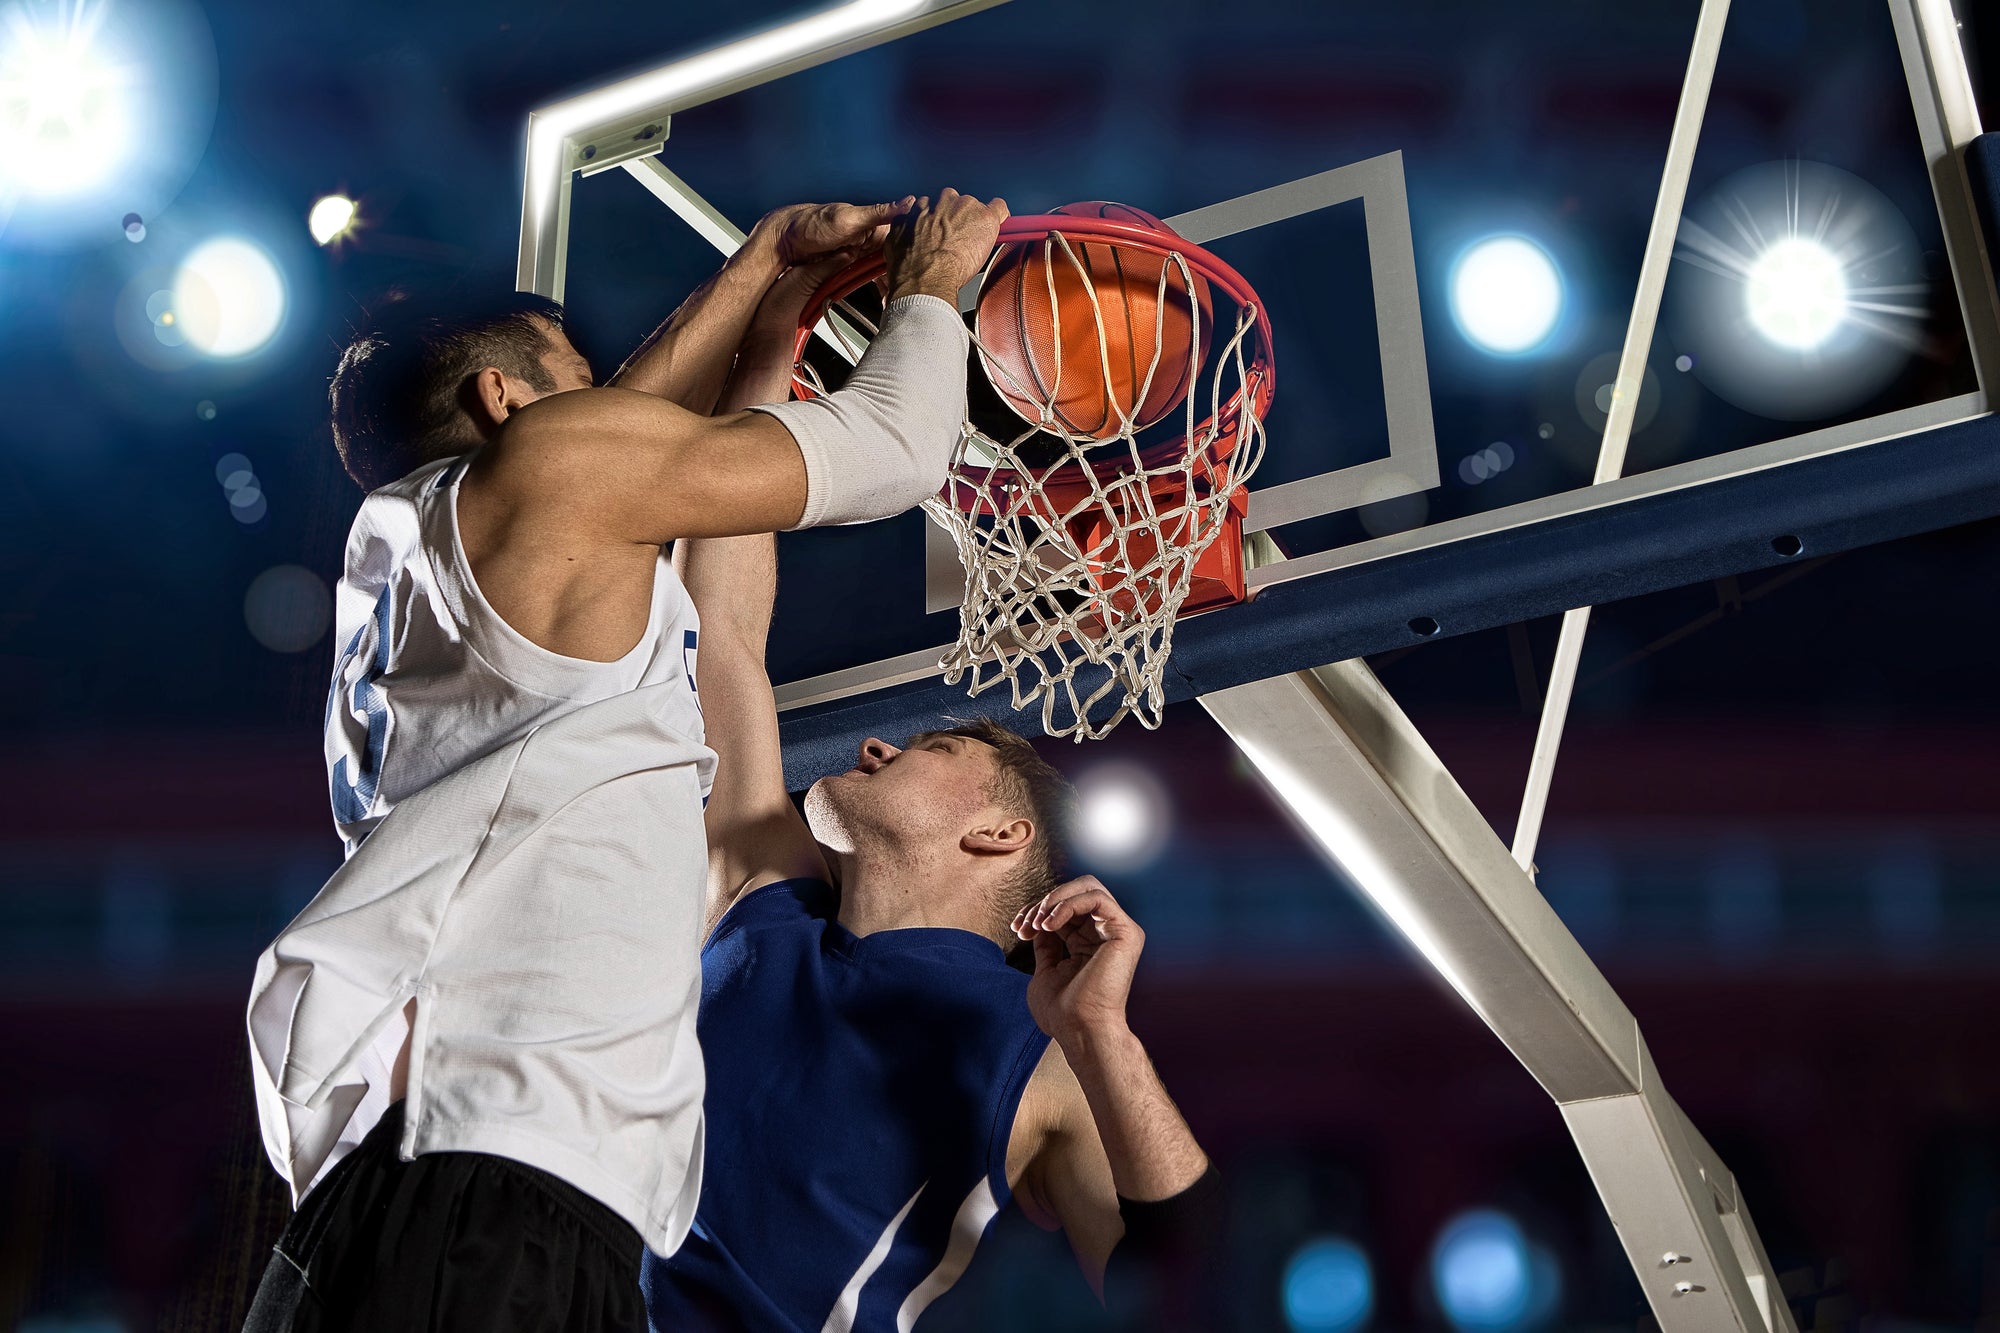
(934, 791)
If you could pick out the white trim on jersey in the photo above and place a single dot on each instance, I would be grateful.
(978, 1210)
(849, 1304)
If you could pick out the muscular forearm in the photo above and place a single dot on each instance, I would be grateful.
(733, 580)
(1152, 1152)
(763, 372)
(687, 359)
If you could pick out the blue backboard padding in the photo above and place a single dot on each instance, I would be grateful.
(1836, 502)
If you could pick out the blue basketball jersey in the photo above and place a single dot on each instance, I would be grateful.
(861, 1092)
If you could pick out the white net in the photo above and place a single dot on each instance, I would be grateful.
(1080, 550)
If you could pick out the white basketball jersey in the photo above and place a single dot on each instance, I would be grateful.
(520, 911)
(430, 677)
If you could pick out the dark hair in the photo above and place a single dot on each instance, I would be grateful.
(398, 394)
(1024, 784)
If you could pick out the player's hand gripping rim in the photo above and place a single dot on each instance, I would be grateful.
(802, 233)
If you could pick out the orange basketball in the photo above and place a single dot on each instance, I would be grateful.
(1018, 325)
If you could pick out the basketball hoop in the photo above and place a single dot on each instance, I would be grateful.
(1082, 542)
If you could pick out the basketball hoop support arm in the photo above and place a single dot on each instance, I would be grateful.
(629, 119)
(1343, 758)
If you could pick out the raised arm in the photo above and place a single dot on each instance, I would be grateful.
(1108, 1136)
(687, 358)
(564, 510)
(755, 835)
(598, 467)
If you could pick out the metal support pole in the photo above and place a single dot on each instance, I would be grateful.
(1659, 254)
(1948, 120)
(1335, 748)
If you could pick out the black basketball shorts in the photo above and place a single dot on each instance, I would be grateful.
(448, 1242)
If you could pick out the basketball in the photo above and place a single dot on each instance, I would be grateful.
(1029, 330)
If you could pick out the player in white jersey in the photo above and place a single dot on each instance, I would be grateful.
(474, 1050)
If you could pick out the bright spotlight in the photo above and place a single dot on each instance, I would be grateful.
(1796, 293)
(1121, 816)
(228, 298)
(1488, 1278)
(331, 218)
(105, 109)
(1506, 295)
(1328, 1287)
(65, 114)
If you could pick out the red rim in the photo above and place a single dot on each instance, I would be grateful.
(966, 486)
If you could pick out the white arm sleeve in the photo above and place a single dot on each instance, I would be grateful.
(884, 441)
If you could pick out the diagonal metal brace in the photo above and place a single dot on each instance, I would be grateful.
(1335, 748)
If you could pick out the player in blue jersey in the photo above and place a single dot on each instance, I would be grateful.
(881, 1083)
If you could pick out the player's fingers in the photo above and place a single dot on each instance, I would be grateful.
(1064, 891)
(1000, 210)
(1099, 919)
(1091, 900)
(853, 219)
(1048, 952)
(817, 271)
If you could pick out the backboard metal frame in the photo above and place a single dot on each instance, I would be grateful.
(1412, 464)
(1947, 121)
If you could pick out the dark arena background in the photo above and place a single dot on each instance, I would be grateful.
(1776, 826)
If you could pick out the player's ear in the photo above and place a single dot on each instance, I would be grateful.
(491, 397)
(999, 837)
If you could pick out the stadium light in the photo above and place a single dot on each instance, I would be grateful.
(1799, 291)
(1506, 295)
(1121, 816)
(228, 298)
(1796, 293)
(332, 217)
(65, 114)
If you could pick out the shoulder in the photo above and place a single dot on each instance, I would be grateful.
(389, 528)
(392, 507)
(563, 430)
(801, 901)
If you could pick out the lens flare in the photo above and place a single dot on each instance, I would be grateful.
(65, 106)
(331, 218)
(1797, 290)
(228, 298)
(288, 608)
(105, 110)
(1796, 293)
(1328, 1287)
(1506, 295)
(1122, 816)
(1489, 1279)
